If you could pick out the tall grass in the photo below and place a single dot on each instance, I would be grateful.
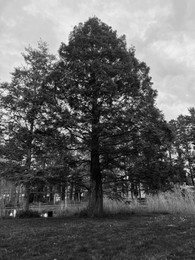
(172, 202)
(118, 206)
(65, 209)
(165, 202)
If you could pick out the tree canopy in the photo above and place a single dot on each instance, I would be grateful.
(111, 100)
(88, 117)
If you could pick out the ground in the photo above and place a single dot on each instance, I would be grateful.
(117, 237)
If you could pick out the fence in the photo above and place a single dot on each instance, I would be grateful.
(42, 208)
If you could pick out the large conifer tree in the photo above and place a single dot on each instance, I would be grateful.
(110, 95)
(26, 102)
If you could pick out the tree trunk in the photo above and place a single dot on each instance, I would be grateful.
(28, 165)
(63, 192)
(71, 191)
(191, 173)
(26, 197)
(26, 185)
(51, 194)
(191, 170)
(95, 207)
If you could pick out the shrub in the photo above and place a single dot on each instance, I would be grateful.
(27, 214)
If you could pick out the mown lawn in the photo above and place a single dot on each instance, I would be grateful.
(118, 237)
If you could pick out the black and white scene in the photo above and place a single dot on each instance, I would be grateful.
(97, 129)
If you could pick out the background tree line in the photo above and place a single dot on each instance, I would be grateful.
(89, 119)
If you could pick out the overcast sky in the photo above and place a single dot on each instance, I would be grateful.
(162, 32)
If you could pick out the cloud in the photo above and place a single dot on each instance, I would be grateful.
(168, 47)
(170, 106)
(19, 28)
(162, 32)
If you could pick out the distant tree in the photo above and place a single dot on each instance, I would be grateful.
(150, 167)
(26, 102)
(184, 142)
(109, 94)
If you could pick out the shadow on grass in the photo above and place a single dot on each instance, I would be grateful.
(114, 236)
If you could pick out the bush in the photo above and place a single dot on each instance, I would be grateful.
(27, 214)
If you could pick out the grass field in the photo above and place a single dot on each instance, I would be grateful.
(136, 236)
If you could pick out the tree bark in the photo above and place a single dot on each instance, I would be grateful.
(95, 207)
(191, 172)
(51, 194)
(28, 165)
(26, 197)
(63, 192)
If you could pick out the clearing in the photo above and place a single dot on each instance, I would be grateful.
(118, 237)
